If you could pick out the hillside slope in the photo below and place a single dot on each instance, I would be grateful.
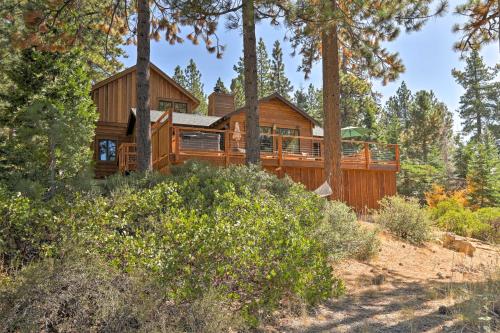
(409, 289)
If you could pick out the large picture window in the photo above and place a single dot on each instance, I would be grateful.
(164, 105)
(290, 144)
(107, 150)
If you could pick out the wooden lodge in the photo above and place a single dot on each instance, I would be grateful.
(291, 141)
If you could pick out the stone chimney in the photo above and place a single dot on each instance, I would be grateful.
(220, 104)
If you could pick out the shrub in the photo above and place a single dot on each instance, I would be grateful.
(404, 218)
(471, 224)
(238, 230)
(344, 236)
(448, 205)
(83, 294)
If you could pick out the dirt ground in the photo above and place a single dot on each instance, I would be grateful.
(402, 290)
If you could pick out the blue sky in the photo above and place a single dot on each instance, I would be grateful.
(427, 55)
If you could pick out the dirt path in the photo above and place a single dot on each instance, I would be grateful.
(402, 290)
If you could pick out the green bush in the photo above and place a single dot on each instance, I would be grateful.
(404, 218)
(344, 236)
(83, 294)
(445, 206)
(470, 224)
(237, 229)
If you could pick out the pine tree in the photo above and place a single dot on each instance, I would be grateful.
(280, 83)
(395, 117)
(264, 79)
(238, 84)
(195, 86)
(325, 29)
(300, 98)
(179, 76)
(53, 117)
(358, 104)
(220, 87)
(479, 104)
(314, 101)
(483, 175)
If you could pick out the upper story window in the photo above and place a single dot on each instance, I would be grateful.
(107, 150)
(164, 105)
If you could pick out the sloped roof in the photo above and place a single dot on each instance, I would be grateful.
(156, 69)
(280, 98)
(189, 119)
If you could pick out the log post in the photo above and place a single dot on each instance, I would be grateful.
(280, 152)
(177, 144)
(398, 165)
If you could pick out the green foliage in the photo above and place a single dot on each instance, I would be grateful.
(404, 218)
(479, 104)
(190, 79)
(238, 84)
(52, 115)
(344, 236)
(219, 86)
(311, 101)
(280, 82)
(264, 78)
(239, 230)
(81, 293)
(466, 223)
(483, 173)
(416, 179)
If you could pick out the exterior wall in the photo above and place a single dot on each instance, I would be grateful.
(220, 104)
(115, 97)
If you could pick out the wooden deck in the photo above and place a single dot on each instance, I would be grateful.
(369, 168)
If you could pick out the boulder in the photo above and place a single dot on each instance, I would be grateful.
(459, 244)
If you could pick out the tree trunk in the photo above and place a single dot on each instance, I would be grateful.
(252, 144)
(143, 117)
(331, 109)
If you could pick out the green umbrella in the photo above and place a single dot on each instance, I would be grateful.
(354, 132)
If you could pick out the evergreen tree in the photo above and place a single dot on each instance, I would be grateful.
(461, 157)
(300, 98)
(179, 76)
(429, 121)
(314, 102)
(195, 86)
(280, 83)
(479, 104)
(220, 87)
(483, 175)
(50, 110)
(358, 105)
(264, 79)
(238, 84)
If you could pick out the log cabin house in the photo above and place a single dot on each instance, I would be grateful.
(291, 140)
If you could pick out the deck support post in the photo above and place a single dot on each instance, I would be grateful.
(398, 165)
(177, 144)
(280, 156)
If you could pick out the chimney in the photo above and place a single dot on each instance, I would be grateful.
(220, 104)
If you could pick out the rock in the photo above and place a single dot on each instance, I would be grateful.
(400, 264)
(404, 246)
(439, 275)
(459, 244)
(443, 310)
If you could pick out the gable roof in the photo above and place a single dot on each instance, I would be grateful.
(190, 119)
(269, 98)
(157, 70)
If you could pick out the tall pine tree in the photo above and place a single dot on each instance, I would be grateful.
(280, 83)
(220, 87)
(238, 84)
(179, 76)
(195, 86)
(479, 104)
(264, 79)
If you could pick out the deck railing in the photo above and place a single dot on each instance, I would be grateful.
(172, 144)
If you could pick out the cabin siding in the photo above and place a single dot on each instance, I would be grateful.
(115, 97)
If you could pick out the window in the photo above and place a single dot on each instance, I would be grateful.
(180, 107)
(266, 139)
(290, 144)
(316, 149)
(107, 150)
(164, 105)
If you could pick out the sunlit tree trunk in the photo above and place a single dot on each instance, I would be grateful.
(251, 102)
(143, 117)
(331, 109)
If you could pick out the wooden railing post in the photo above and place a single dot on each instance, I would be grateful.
(280, 151)
(367, 155)
(226, 147)
(177, 144)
